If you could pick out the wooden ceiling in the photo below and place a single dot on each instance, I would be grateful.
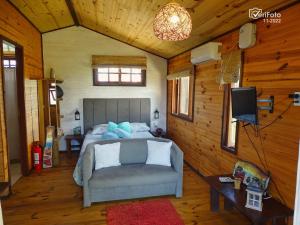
(130, 21)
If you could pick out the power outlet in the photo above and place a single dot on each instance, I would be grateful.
(297, 100)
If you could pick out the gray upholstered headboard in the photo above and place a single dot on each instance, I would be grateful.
(102, 110)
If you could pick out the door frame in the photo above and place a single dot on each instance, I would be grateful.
(19, 53)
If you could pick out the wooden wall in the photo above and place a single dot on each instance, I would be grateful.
(16, 28)
(273, 66)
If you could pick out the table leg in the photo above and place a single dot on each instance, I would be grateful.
(228, 204)
(68, 142)
(278, 221)
(214, 200)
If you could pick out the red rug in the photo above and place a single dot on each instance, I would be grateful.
(152, 212)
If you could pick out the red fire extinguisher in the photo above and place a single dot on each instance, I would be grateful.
(37, 154)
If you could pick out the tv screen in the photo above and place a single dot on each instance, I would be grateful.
(244, 104)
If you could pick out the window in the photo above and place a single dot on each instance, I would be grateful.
(230, 125)
(119, 76)
(182, 97)
(9, 63)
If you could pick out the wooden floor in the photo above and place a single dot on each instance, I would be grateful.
(53, 198)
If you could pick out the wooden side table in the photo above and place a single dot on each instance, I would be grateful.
(69, 139)
(273, 210)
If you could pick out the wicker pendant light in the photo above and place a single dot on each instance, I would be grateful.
(172, 23)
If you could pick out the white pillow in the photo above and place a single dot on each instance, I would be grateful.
(139, 127)
(107, 155)
(99, 129)
(159, 153)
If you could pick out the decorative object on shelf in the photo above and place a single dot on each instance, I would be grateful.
(250, 173)
(254, 196)
(47, 155)
(59, 92)
(159, 131)
(172, 23)
(77, 115)
(237, 183)
(156, 114)
(77, 130)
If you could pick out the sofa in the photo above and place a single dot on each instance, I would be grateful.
(134, 178)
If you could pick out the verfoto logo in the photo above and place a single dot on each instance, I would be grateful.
(255, 13)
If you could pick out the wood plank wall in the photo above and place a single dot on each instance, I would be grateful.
(3, 144)
(273, 66)
(17, 29)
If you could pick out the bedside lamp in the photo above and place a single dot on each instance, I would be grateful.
(77, 115)
(156, 114)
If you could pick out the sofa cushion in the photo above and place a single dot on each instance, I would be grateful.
(132, 175)
(133, 152)
(107, 155)
(159, 153)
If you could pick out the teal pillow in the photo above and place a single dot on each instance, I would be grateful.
(125, 126)
(111, 126)
(109, 136)
(121, 133)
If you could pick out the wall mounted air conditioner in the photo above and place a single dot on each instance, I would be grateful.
(209, 51)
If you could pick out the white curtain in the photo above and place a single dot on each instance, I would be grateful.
(297, 200)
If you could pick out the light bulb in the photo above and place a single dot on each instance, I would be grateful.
(174, 19)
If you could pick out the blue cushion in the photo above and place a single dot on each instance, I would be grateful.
(125, 126)
(109, 135)
(111, 126)
(122, 133)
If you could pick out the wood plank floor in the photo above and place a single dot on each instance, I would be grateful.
(53, 198)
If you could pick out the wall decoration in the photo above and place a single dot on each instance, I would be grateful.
(249, 173)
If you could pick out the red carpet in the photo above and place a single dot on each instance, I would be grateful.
(152, 212)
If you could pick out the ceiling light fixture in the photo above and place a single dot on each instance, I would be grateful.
(172, 23)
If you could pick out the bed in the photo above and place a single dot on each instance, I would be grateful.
(101, 111)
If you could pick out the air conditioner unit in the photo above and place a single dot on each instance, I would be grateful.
(209, 51)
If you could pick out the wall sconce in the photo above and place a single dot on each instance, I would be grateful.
(156, 114)
(77, 115)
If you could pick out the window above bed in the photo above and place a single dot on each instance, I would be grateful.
(119, 71)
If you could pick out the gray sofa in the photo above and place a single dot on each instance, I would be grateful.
(133, 179)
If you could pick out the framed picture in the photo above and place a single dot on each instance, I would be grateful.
(250, 173)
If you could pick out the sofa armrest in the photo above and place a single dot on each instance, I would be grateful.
(88, 163)
(177, 158)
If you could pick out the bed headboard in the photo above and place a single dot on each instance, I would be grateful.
(102, 110)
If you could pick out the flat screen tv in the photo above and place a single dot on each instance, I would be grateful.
(244, 104)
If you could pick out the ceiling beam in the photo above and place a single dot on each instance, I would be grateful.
(60, 28)
(72, 12)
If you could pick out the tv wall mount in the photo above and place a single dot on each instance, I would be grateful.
(269, 106)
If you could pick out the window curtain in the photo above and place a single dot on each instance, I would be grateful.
(230, 67)
(183, 73)
(120, 61)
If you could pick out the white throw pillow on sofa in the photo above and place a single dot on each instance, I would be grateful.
(107, 155)
(159, 153)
